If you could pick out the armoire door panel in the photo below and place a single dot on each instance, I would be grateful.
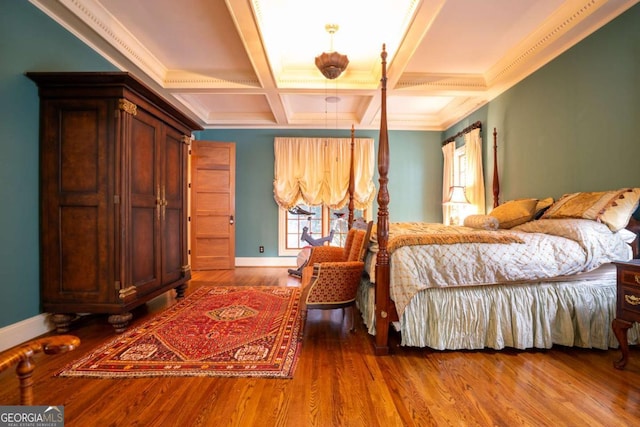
(83, 261)
(80, 150)
(173, 169)
(143, 148)
(172, 253)
(143, 248)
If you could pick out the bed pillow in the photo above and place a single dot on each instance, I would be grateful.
(613, 208)
(542, 206)
(515, 212)
(627, 235)
(482, 222)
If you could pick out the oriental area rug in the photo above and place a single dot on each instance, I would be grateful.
(243, 331)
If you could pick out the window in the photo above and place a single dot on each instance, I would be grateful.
(463, 168)
(319, 225)
(460, 212)
(460, 167)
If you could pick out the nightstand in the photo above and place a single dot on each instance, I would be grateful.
(627, 306)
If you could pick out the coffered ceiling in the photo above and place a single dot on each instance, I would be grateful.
(250, 63)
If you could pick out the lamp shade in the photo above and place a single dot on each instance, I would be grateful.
(457, 195)
(331, 64)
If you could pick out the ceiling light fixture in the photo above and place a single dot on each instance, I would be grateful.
(331, 64)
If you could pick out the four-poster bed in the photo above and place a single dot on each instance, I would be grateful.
(547, 326)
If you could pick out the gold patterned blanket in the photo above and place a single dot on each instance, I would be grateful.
(416, 233)
(476, 236)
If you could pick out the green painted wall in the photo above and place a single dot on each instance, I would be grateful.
(573, 125)
(29, 41)
(414, 158)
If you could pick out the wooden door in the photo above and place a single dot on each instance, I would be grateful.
(213, 181)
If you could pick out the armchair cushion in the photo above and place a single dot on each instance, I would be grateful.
(326, 254)
(333, 284)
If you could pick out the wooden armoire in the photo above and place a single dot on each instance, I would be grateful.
(113, 202)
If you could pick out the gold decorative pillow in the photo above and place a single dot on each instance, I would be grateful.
(515, 212)
(542, 206)
(613, 208)
(482, 222)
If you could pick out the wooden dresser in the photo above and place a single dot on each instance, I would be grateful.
(113, 171)
(627, 305)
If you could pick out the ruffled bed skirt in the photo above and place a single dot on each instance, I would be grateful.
(538, 315)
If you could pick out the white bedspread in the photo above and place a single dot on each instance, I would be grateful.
(552, 247)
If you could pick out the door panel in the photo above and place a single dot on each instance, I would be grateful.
(213, 205)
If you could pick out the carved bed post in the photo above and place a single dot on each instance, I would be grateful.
(352, 178)
(382, 298)
(496, 181)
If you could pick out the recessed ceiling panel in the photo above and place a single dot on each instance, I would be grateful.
(190, 35)
(471, 36)
(294, 33)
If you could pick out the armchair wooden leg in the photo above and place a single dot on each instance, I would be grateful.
(352, 318)
(303, 322)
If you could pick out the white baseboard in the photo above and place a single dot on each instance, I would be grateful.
(266, 262)
(23, 331)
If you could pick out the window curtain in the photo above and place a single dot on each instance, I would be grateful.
(448, 151)
(475, 177)
(316, 171)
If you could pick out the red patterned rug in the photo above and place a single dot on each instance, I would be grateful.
(215, 331)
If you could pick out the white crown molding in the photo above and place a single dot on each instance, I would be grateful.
(441, 84)
(192, 80)
(78, 15)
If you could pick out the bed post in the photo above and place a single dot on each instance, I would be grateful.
(352, 185)
(382, 298)
(496, 181)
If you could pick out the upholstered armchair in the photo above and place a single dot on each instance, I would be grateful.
(333, 274)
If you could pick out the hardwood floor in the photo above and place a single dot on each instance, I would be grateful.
(339, 382)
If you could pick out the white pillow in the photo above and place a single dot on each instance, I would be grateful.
(627, 235)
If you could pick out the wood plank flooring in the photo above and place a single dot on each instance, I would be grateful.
(340, 382)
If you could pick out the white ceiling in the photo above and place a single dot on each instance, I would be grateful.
(250, 63)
